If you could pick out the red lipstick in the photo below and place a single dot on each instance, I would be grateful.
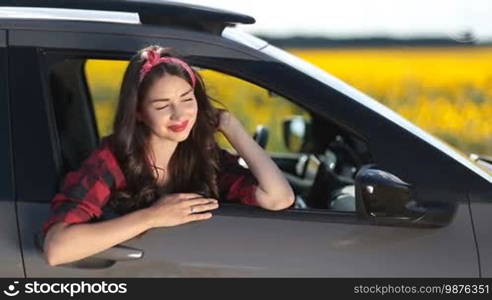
(179, 127)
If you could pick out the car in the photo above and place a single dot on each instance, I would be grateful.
(376, 196)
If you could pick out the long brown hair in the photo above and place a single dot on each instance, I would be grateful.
(193, 167)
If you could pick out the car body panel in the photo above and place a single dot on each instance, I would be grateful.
(481, 210)
(242, 244)
(6, 191)
(11, 258)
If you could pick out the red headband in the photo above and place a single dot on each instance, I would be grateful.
(154, 58)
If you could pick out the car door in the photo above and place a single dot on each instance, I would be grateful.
(11, 259)
(239, 240)
(481, 208)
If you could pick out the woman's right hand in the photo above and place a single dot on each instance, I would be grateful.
(176, 209)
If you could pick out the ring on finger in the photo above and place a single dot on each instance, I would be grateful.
(191, 209)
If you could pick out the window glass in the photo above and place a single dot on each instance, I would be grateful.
(104, 80)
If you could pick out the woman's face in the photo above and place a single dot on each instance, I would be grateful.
(170, 108)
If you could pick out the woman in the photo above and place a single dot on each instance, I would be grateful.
(161, 166)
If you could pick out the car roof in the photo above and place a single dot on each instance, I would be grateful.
(152, 12)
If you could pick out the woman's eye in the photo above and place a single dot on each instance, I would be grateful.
(185, 100)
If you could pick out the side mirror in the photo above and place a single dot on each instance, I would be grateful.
(295, 132)
(381, 194)
(387, 200)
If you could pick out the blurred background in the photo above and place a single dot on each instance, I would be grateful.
(429, 60)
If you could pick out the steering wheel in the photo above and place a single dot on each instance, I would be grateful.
(261, 135)
(325, 184)
(330, 180)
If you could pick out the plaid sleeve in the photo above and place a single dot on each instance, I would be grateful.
(85, 191)
(236, 183)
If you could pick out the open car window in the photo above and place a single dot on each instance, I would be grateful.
(318, 159)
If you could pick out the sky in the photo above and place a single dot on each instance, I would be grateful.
(363, 18)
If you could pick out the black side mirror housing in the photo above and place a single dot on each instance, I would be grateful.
(388, 200)
(383, 195)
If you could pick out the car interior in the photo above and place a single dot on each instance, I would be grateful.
(322, 172)
(320, 167)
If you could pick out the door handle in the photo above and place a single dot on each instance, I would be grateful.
(101, 260)
(120, 253)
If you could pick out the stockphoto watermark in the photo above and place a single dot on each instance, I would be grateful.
(65, 288)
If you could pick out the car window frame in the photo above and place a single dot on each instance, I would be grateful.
(235, 209)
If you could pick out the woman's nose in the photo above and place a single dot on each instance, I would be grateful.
(176, 112)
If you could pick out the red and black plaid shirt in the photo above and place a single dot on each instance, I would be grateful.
(86, 191)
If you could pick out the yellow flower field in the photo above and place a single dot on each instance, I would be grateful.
(446, 91)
